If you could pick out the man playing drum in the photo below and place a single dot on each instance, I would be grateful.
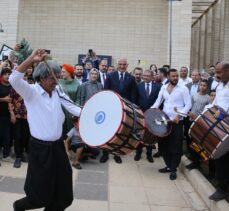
(49, 176)
(173, 95)
(221, 164)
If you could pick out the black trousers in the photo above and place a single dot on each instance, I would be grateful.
(194, 155)
(171, 147)
(5, 135)
(21, 136)
(222, 171)
(49, 177)
(139, 148)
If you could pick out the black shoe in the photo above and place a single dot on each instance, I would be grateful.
(17, 163)
(24, 158)
(103, 159)
(137, 157)
(150, 158)
(77, 166)
(117, 159)
(218, 195)
(192, 166)
(173, 175)
(157, 155)
(164, 170)
(16, 208)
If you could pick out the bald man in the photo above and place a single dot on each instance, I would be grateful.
(221, 164)
(124, 84)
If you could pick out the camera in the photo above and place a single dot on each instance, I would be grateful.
(47, 51)
(90, 51)
(4, 57)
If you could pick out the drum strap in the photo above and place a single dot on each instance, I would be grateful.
(125, 144)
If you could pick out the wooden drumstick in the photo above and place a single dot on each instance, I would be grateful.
(182, 114)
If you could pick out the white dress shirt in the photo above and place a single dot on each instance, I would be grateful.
(101, 77)
(79, 80)
(119, 73)
(45, 115)
(184, 81)
(222, 97)
(164, 81)
(194, 89)
(179, 98)
(215, 84)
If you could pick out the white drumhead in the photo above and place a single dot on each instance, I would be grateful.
(101, 118)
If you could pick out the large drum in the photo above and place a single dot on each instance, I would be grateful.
(210, 134)
(157, 125)
(112, 123)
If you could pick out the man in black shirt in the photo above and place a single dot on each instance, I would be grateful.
(5, 114)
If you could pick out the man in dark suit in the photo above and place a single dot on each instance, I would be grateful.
(147, 92)
(124, 84)
(79, 74)
(102, 71)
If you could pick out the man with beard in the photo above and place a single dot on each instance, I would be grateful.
(102, 71)
(173, 95)
(184, 78)
(221, 100)
(79, 73)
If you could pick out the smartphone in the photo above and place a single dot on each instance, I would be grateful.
(4, 57)
(90, 51)
(47, 51)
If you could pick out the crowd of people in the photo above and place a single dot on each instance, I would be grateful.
(27, 116)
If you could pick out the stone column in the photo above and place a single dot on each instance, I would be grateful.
(226, 32)
(181, 33)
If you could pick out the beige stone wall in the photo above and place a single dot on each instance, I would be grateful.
(134, 29)
(8, 18)
(181, 33)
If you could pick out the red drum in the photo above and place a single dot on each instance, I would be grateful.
(210, 133)
(157, 126)
(110, 122)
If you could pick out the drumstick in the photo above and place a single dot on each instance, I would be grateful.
(159, 121)
(58, 84)
(182, 114)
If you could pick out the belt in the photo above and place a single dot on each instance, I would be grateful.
(38, 141)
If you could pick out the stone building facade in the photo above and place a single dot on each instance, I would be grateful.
(210, 36)
(138, 30)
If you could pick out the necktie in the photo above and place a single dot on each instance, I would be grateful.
(104, 78)
(147, 90)
(121, 81)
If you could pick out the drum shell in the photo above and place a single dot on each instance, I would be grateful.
(126, 130)
(210, 133)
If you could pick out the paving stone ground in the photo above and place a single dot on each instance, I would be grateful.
(130, 186)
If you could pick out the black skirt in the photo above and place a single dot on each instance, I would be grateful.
(49, 174)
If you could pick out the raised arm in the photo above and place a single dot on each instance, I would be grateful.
(16, 78)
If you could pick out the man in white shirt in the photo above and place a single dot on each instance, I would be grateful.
(193, 86)
(221, 164)
(184, 79)
(49, 176)
(173, 95)
(163, 75)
